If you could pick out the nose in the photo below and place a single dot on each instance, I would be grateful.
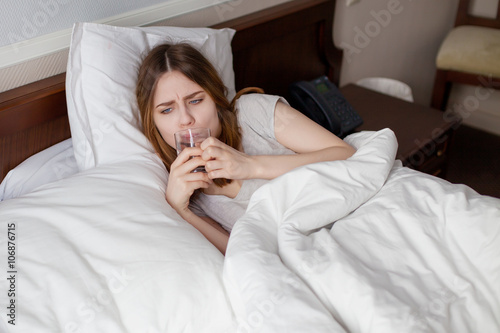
(186, 118)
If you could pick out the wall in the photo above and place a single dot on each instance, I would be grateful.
(26, 19)
(40, 30)
(400, 39)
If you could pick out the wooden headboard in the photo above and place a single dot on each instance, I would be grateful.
(271, 48)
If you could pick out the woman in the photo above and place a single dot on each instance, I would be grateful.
(255, 138)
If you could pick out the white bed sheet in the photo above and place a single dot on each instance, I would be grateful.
(52, 164)
(101, 251)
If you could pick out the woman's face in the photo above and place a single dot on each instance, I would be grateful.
(179, 103)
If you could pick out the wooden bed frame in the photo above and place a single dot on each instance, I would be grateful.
(272, 48)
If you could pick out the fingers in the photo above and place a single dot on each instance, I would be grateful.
(219, 173)
(210, 141)
(183, 182)
(215, 149)
(211, 153)
(222, 164)
(188, 160)
(191, 164)
(213, 169)
(223, 161)
(181, 188)
(187, 153)
(215, 159)
(195, 180)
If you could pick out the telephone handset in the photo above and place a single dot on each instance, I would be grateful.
(323, 102)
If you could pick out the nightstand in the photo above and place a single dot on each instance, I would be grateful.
(423, 133)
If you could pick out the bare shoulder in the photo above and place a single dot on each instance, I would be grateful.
(296, 131)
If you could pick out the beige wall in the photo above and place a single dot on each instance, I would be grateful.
(399, 39)
(41, 63)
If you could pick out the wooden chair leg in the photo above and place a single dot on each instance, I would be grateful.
(441, 90)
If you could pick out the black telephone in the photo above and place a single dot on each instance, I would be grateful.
(323, 102)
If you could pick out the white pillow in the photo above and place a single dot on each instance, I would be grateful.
(49, 165)
(101, 78)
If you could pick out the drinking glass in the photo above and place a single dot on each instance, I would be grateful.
(191, 137)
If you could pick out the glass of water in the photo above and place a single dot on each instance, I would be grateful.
(192, 137)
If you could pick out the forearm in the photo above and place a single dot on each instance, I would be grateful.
(212, 231)
(272, 166)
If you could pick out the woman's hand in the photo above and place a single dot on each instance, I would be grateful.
(223, 161)
(182, 182)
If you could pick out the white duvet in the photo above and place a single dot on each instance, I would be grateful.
(363, 245)
(407, 253)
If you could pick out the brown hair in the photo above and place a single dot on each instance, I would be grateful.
(190, 62)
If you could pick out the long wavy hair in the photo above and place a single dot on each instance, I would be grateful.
(187, 60)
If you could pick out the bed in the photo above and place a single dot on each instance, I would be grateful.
(88, 243)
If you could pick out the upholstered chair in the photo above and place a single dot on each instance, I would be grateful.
(470, 54)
